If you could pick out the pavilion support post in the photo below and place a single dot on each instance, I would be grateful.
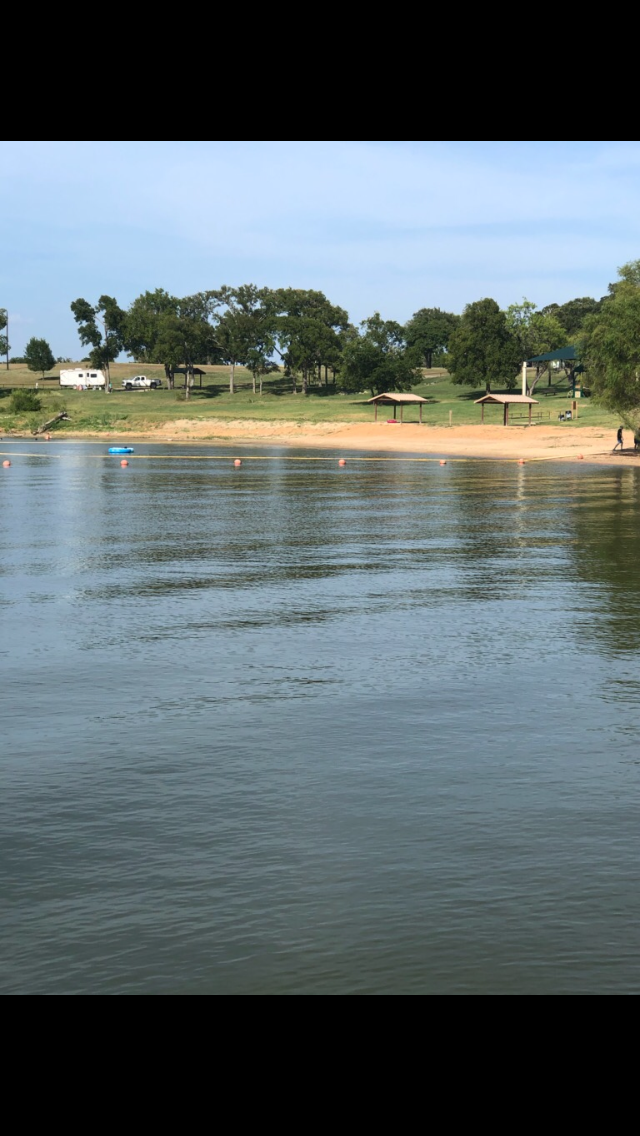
(506, 413)
(421, 414)
(376, 417)
(530, 410)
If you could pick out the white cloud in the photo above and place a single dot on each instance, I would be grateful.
(401, 223)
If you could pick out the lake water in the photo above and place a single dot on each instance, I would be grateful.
(296, 729)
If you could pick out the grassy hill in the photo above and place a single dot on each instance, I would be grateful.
(140, 411)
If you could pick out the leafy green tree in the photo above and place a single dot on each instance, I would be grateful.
(260, 365)
(39, 356)
(430, 331)
(379, 359)
(5, 346)
(152, 331)
(536, 334)
(573, 314)
(610, 348)
(629, 274)
(482, 349)
(101, 327)
(244, 326)
(190, 336)
(347, 335)
(164, 329)
(308, 331)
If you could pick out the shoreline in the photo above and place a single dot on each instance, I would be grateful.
(498, 443)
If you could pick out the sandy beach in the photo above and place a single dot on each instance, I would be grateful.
(537, 443)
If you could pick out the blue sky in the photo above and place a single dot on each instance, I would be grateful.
(378, 226)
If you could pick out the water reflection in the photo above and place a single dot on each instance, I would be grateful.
(293, 729)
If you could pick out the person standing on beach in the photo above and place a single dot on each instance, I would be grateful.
(620, 441)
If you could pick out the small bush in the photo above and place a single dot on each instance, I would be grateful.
(24, 402)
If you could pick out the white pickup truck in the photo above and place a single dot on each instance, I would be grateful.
(141, 382)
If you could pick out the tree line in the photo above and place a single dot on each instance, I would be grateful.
(312, 341)
(301, 334)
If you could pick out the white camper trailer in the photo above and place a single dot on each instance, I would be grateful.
(83, 378)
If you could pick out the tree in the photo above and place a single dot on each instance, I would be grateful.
(379, 359)
(430, 330)
(610, 348)
(260, 365)
(573, 314)
(244, 326)
(189, 336)
(629, 274)
(142, 323)
(349, 334)
(160, 328)
(308, 331)
(101, 328)
(536, 333)
(482, 349)
(151, 331)
(39, 356)
(4, 338)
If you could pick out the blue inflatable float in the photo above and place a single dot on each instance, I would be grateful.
(121, 450)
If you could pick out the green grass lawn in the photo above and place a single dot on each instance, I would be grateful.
(137, 411)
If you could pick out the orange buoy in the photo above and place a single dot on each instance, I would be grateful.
(237, 463)
(342, 462)
(124, 464)
(6, 465)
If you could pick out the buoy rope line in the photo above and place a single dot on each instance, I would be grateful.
(290, 458)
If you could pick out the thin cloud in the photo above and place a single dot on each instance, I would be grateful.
(389, 226)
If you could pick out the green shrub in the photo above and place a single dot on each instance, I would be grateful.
(24, 402)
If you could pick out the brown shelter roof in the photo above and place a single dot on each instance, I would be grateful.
(505, 399)
(397, 399)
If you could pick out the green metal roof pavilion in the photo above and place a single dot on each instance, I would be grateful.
(562, 355)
